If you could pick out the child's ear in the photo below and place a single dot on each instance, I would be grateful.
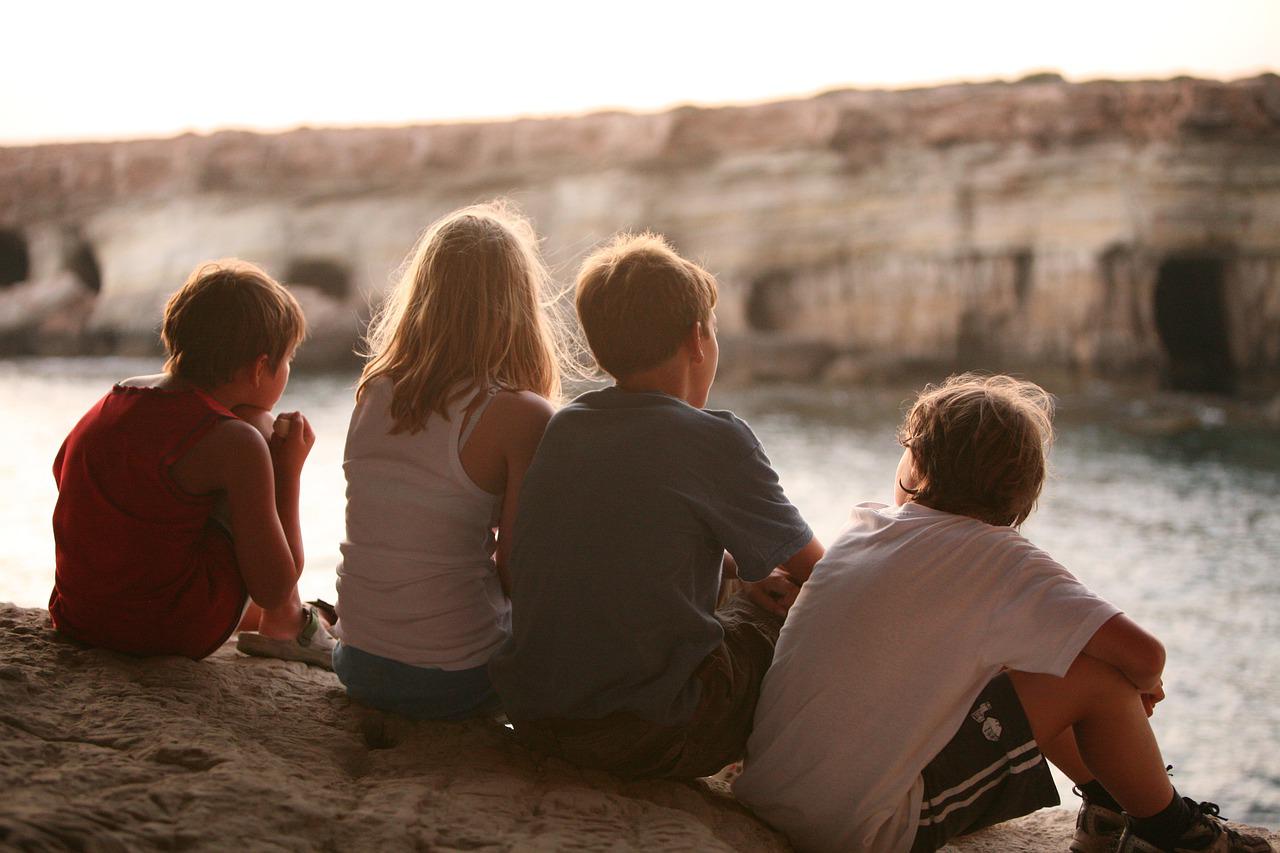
(694, 340)
(261, 367)
(906, 480)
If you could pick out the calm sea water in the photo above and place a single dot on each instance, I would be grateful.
(1168, 508)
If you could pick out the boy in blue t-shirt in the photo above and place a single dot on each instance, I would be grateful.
(619, 658)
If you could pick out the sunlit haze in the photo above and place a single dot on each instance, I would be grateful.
(134, 69)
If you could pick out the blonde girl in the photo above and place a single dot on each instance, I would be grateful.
(463, 366)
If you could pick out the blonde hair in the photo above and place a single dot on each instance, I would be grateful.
(466, 312)
(225, 315)
(637, 299)
(978, 445)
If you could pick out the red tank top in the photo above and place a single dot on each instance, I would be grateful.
(141, 567)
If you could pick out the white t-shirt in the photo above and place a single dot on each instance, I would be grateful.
(904, 621)
(417, 582)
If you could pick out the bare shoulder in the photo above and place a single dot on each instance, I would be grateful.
(232, 442)
(231, 452)
(525, 405)
(238, 431)
(507, 435)
(261, 420)
(155, 380)
(520, 418)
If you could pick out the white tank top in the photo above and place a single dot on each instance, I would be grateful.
(417, 582)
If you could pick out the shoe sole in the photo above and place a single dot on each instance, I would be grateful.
(1095, 845)
(266, 647)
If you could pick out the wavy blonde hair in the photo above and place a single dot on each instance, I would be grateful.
(467, 311)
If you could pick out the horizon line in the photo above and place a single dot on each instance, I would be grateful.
(1030, 77)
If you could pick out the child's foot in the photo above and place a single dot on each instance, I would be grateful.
(1205, 834)
(313, 644)
(1098, 829)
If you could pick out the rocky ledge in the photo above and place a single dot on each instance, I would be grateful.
(103, 752)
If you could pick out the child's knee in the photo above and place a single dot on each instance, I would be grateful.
(1101, 682)
(1088, 687)
(260, 419)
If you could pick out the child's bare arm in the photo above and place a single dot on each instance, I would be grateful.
(288, 453)
(523, 419)
(235, 458)
(801, 564)
(287, 487)
(1138, 655)
(778, 591)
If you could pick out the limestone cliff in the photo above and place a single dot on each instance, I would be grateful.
(1097, 226)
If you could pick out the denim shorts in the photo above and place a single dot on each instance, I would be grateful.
(418, 692)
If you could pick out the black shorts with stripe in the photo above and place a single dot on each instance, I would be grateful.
(990, 772)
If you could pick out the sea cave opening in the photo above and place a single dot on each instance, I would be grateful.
(771, 302)
(15, 259)
(82, 262)
(1191, 320)
(331, 278)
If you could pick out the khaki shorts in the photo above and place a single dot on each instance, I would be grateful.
(714, 737)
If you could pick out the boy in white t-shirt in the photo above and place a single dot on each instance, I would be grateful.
(935, 658)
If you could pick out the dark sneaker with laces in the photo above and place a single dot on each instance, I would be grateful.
(1098, 829)
(1207, 833)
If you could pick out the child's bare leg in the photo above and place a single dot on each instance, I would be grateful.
(252, 618)
(1063, 753)
(1114, 739)
(285, 621)
(280, 623)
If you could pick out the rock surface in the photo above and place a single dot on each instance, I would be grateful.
(103, 752)
(989, 225)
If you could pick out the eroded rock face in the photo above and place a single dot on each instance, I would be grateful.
(104, 752)
(99, 751)
(1099, 226)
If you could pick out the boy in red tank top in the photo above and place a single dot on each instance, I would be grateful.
(144, 563)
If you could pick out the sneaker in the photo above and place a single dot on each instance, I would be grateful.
(1206, 834)
(1098, 829)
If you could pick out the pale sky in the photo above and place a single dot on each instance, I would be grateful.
(104, 70)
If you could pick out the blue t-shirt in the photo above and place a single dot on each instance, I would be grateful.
(625, 514)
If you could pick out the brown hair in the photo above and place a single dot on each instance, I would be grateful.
(224, 316)
(637, 299)
(467, 310)
(978, 445)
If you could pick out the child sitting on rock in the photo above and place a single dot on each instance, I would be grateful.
(144, 563)
(619, 658)
(936, 658)
(455, 395)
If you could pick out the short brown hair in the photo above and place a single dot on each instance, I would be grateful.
(978, 444)
(637, 299)
(224, 316)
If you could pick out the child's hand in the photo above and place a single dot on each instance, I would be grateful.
(291, 441)
(776, 593)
